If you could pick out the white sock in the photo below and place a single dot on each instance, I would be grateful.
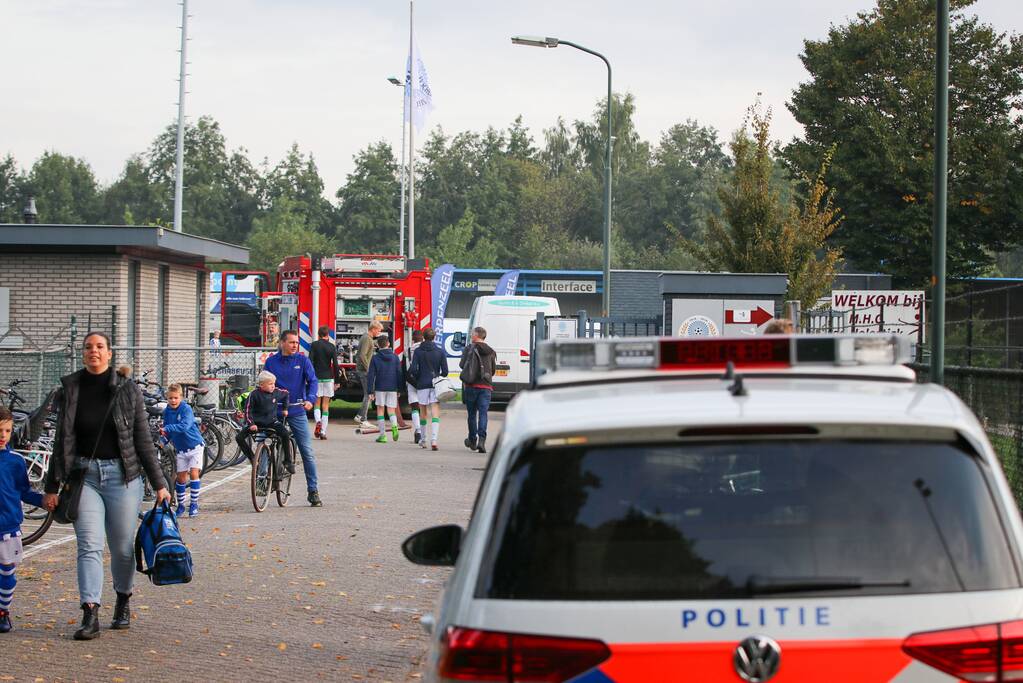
(435, 428)
(316, 414)
(394, 420)
(415, 420)
(323, 424)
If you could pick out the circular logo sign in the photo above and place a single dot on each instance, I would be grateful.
(698, 326)
(757, 659)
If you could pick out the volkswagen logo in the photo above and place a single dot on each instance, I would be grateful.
(757, 659)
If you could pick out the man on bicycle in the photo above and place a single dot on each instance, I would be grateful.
(295, 374)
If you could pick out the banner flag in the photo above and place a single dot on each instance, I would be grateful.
(506, 285)
(417, 90)
(440, 286)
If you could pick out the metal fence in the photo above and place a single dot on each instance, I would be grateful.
(192, 365)
(38, 361)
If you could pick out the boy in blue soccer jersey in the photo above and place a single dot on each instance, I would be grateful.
(14, 490)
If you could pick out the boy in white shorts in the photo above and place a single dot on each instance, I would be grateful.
(180, 427)
(382, 382)
(412, 392)
(14, 489)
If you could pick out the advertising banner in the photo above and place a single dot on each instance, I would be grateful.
(875, 311)
(506, 285)
(440, 285)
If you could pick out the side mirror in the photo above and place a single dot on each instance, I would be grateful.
(458, 341)
(436, 546)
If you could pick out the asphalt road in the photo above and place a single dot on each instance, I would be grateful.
(295, 594)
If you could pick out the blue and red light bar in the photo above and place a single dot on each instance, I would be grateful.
(715, 353)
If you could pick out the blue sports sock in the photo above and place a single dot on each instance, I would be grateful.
(195, 485)
(7, 583)
(180, 489)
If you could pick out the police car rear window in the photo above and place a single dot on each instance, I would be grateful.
(745, 519)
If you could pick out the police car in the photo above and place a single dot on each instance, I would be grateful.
(783, 509)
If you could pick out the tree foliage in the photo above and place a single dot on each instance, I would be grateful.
(284, 231)
(759, 232)
(871, 95)
(65, 189)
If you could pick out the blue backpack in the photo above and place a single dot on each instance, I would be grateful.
(158, 542)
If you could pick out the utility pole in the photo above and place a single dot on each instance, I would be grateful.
(940, 198)
(179, 158)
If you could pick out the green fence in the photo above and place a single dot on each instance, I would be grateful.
(995, 395)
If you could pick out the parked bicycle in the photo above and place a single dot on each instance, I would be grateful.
(269, 475)
(33, 439)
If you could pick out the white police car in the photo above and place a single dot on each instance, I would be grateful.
(783, 509)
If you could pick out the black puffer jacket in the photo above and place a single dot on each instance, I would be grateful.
(133, 437)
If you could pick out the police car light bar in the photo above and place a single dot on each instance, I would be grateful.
(760, 353)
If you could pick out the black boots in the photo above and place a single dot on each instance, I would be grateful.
(90, 622)
(122, 612)
(481, 445)
(470, 444)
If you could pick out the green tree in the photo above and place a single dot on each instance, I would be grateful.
(297, 178)
(134, 199)
(12, 199)
(871, 93)
(758, 232)
(368, 210)
(690, 164)
(65, 189)
(464, 245)
(283, 231)
(220, 197)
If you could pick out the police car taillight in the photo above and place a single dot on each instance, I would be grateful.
(992, 652)
(474, 655)
(763, 352)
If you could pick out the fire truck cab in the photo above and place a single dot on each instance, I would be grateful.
(346, 292)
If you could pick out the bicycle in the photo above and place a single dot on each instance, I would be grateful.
(268, 471)
(33, 439)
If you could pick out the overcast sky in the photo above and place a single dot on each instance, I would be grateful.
(97, 78)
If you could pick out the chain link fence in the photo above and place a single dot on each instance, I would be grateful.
(190, 365)
(38, 361)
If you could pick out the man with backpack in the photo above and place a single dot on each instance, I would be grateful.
(478, 363)
(323, 355)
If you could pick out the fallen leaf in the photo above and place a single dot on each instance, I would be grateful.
(319, 583)
(317, 646)
(282, 647)
(119, 667)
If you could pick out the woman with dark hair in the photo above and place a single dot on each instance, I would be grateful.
(103, 438)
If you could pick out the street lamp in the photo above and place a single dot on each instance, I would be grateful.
(546, 41)
(401, 225)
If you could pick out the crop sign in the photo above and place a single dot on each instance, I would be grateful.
(881, 311)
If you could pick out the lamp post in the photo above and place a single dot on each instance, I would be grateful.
(541, 41)
(940, 197)
(404, 122)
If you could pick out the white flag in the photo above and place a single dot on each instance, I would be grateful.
(417, 89)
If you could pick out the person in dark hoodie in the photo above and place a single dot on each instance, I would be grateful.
(478, 363)
(382, 382)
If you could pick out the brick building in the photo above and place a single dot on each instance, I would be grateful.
(146, 286)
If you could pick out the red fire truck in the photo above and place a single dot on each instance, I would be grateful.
(345, 292)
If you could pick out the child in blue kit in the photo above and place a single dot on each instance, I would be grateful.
(180, 427)
(14, 489)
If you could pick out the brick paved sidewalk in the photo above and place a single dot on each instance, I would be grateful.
(291, 594)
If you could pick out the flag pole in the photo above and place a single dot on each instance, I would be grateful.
(411, 146)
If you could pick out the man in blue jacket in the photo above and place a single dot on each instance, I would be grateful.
(429, 361)
(295, 374)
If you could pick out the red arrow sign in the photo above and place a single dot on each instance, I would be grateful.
(758, 316)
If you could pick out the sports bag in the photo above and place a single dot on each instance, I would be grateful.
(443, 387)
(158, 543)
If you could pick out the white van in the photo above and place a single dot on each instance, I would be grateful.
(506, 320)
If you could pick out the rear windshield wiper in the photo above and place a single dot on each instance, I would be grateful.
(765, 585)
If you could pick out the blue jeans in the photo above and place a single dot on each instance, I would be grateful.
(477, 403)
(108, 511)
(299, 424)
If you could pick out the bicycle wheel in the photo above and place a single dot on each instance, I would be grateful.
(230, 449)
(284, 485)
(214, 447)
(37, 520)
(261, 474)
(169, 466)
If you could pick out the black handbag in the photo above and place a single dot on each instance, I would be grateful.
(70, 494)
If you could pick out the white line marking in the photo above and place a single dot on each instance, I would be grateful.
(34, 550)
